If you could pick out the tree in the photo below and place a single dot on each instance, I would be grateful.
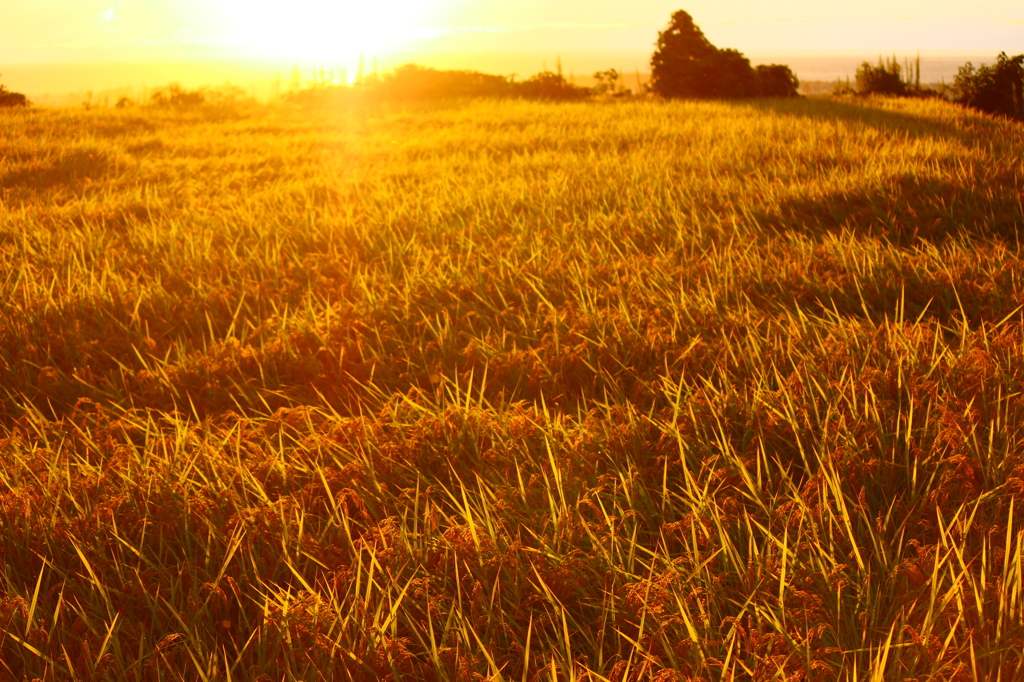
(777, 80)
(997, 89)
(686, 64)
(682, 64)
(730, 75)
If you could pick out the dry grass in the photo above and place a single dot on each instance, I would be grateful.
(512, 391)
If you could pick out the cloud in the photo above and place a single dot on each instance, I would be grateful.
(110, 15)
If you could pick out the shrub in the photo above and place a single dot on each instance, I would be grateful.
(607, 82)
(413, 82)
(12, 99)
(549, 85)
(177, 97)
(777, 80)
(997, 89)
(883, 79)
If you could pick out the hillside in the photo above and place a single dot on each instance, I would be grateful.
(507, 390)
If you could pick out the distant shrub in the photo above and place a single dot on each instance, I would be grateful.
(550, 85)
(12, 99)
(418, 83)
(686, 64)
(177, 97)
(885, 78)
(225, 96)
(212, 100)
(777, 80)
(415, 82)
(997, 89)
(842, 87)
(607, 82)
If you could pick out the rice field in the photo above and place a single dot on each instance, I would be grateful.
(504, 390)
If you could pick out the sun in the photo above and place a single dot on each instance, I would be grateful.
(324, 30)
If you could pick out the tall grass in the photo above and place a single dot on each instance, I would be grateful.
(603, 391)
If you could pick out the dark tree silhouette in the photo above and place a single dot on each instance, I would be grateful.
(730, 75)
(884, 79)
(997, 89)
(686, 64)
(682, 65)
(548, 85)
(777, 80)
(12, 99)
(413, 82)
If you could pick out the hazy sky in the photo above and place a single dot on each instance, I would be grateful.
(338, 29)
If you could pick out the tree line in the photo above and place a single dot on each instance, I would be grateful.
(412, 82)
(996, 89)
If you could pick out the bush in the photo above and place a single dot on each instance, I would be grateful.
(12, 99)
(883, 79)
(549, 85)
(607, 82)
(777, 80)
(997, 89)
(417, 83)
(177, 97)
(413, 82)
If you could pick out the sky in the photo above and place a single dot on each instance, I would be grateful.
(338, 31)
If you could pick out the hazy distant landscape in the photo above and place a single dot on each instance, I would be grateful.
(74, 83)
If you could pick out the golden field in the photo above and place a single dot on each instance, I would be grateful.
(502, 390)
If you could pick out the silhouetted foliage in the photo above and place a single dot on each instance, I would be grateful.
(682, 63)
(218, 100)
(686, 64)
(12, 99)
(178, 97)
(549, 85)
(777, 80)
(413, 82)
(843, 87)
(607, 82)
(997, 89)
(885, 78)
(418, 83)
(731, 75)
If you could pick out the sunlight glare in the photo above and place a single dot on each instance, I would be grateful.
(331, 30)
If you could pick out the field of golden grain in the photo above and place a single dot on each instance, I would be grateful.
(502, 390)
